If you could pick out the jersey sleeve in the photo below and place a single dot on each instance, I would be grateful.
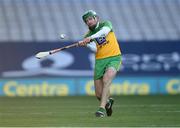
(108, 24)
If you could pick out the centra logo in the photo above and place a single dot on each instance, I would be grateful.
(124, 88)
(14, 88)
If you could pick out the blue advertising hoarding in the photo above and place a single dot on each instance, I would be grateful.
(138, 58)
(147, 68)
(85, 86)
(123, 86)
(37, 87)
(169, 85)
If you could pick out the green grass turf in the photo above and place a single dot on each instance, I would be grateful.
(79, 111)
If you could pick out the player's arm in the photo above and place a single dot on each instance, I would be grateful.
(89, 41)
(107, 27)
(92, 46)
(102, 33)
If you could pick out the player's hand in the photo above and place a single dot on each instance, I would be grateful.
(85, 41)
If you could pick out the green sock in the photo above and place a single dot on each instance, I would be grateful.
(101, 109)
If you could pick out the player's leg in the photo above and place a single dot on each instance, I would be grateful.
(107, 80)
(98, 82)
(104, 71)
(109, 104)
(111, 70)
(98, 88)
(98, 91)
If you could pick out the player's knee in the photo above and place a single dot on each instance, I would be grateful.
(108, 77)
(106, 80)
(110, 73)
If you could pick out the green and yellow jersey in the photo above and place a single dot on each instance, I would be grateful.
(107, 47)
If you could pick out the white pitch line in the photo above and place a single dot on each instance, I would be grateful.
(169, 111)
(149, 105)
(35, 113)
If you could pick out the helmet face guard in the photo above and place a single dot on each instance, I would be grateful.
(87, 14)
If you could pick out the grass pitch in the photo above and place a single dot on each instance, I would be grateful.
(79, 111)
